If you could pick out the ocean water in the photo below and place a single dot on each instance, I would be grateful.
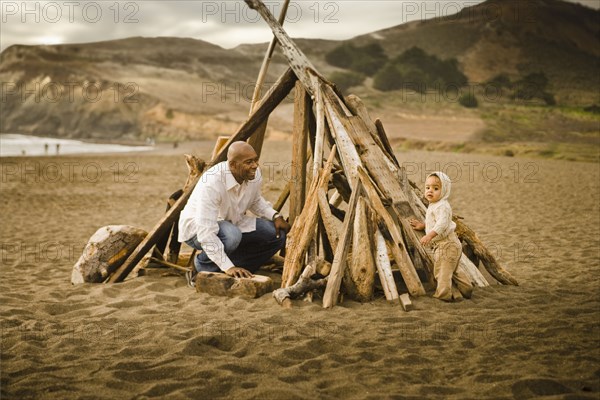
(25, 145)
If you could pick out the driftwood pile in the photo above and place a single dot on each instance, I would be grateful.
(349, 198)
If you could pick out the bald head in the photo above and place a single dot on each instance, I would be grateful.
(243, 161)
(240, 150)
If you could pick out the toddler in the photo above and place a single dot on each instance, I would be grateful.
(439, 232)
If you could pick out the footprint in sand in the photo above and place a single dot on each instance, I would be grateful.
(532, 388)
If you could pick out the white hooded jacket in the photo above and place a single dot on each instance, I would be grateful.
(439, 214)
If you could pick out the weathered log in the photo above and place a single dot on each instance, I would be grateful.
(320, 130)
(358, 108)
(304, 285)
(299, 152)
(489, 261)
(329, 221)
(360, 274)
(469, 269)
(220, 284)
(384, 269)
(407, 305)
(407, 269)
(304, 228)
(221, 141)
(106, 251)
(386, 143)
(330, 297)
(283, 196)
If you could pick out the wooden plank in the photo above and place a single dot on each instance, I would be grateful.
(299, 152)
(407, 269)
(384, 268)
(489, 261)
(407, 305)
(361, 271)
(329, 221)
(386, 143)
(334, 282)
(221, 140)
(320, 134)
(475, 276)
(348, 155)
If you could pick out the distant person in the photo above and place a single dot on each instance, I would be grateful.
(46, 146)
(439, 232)
(214, 219)
(57, 148)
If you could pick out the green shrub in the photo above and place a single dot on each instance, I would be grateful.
(367, 59)
(416, 70)
(346, 80)
(468, 100)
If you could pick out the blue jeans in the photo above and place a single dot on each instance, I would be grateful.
(248, 250)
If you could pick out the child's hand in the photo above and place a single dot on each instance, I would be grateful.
(425, 240)
(417, 225)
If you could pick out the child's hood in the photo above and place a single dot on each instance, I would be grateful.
(446, 183)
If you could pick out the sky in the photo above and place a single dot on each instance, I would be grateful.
(225, 23)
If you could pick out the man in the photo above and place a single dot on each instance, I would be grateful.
(214, 219)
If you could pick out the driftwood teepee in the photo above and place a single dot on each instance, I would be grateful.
(348, 244)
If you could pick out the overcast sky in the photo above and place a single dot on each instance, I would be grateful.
(226, 23)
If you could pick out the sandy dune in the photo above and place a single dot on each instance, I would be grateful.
(153, 337)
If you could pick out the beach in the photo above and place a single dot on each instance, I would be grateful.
(154, 337)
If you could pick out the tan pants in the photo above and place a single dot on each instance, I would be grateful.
(446, 258)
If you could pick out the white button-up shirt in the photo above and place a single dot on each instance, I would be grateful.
(216, 197)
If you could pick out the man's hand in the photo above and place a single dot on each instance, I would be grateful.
(238, 272)
(417, 225)
(281, 225)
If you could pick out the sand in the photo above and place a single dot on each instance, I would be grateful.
(153, 337)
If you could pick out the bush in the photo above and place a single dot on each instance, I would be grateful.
(415, 69)
(388, 78)
(366, 59)
(346, 80)
(500, 81)
(468, 100)
(533, 86)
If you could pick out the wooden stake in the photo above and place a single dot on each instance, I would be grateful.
(304, 229)
(332, 291)
(384, 269)
(489, 261)
(329, 221)
(360, 275)
(299, 152)
(407, 269)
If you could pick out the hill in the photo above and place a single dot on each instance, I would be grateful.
(176, 88)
